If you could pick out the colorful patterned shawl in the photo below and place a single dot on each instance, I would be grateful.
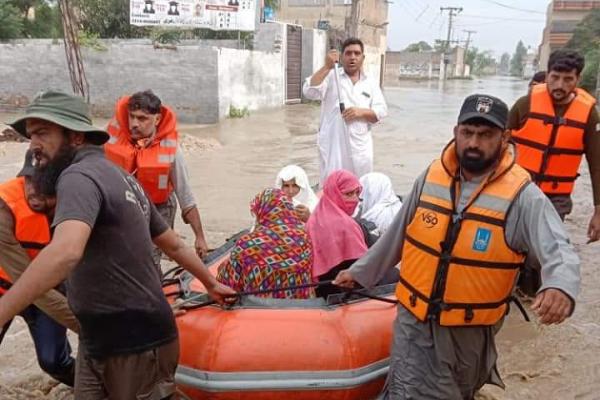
(277, 254)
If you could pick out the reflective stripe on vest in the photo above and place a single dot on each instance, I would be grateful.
(150, 165)
(32, 229)
(455, 268)
(551, 147)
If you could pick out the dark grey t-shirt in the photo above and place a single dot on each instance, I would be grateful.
(115, 290)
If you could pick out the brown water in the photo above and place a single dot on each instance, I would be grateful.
(557, 362)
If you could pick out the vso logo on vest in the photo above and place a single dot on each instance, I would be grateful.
(430, 219)
(482, 240)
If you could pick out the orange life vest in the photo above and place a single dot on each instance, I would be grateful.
(458, 268)
(150, 165)
(551, 147)
(32, 229)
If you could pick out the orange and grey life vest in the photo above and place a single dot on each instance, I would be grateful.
(551, 147)
(32, 229)
(150, 165)
(458, 268)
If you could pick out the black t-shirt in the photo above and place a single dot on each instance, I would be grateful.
(115, 290)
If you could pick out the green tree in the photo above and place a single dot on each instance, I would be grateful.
(46, 24)
(586, 40)
(504, 66)
(484, 63)
(24, 5)
(418, 47)
(11, 22)
(518, 60)
(470, 56)
(108, 19)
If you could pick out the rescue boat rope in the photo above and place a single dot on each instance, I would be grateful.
(349, 293)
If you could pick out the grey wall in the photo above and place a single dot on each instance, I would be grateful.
(269, 37)
(314, 49)
(184, 78)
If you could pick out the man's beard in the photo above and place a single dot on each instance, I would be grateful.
(478, 164)
(44, 178)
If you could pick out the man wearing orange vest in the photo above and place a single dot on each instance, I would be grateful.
(144, 142)
(24, 231)
(553, 127)
(462, 236)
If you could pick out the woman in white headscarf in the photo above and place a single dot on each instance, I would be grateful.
(379, 202)
(294, 183)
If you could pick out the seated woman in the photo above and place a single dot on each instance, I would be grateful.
(337, 238)
(379, 202)
(294, 182)
(277, 254)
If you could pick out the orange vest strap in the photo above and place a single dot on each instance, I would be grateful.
(548, 150)
(434, 207)
(557, 121)
(32, 245)
(551, 178)
(415, 293)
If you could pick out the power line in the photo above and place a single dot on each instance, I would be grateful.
(503, 18)
(514, 8)
(497, 22)
(422, 12)
(412, 6)
(407, 9)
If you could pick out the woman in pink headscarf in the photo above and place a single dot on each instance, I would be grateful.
(337, 239)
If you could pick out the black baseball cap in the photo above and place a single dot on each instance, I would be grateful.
(483, 106)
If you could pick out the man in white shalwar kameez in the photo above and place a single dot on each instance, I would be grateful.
(344, 139)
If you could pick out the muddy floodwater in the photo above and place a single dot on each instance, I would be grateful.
(230, 162)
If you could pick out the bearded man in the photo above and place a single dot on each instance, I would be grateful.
(462, 236)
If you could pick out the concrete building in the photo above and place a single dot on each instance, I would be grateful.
(530, 65)
(365, 19)
(318, 14)
(561, 19)
(401, 65)
(411, 65)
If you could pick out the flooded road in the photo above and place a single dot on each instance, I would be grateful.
(420, 121)
(557, 362)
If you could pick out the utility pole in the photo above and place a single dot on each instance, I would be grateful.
(452, 12)
(467, 43)
(79, 81)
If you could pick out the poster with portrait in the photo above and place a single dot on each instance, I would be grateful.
(211, 14)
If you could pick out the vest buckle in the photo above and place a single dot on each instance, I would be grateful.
(560, 121)
(413, 300)
(469, 315)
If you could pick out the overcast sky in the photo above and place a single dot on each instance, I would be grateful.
(500, 24)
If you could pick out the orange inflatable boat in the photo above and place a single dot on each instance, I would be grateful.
(269, 349)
